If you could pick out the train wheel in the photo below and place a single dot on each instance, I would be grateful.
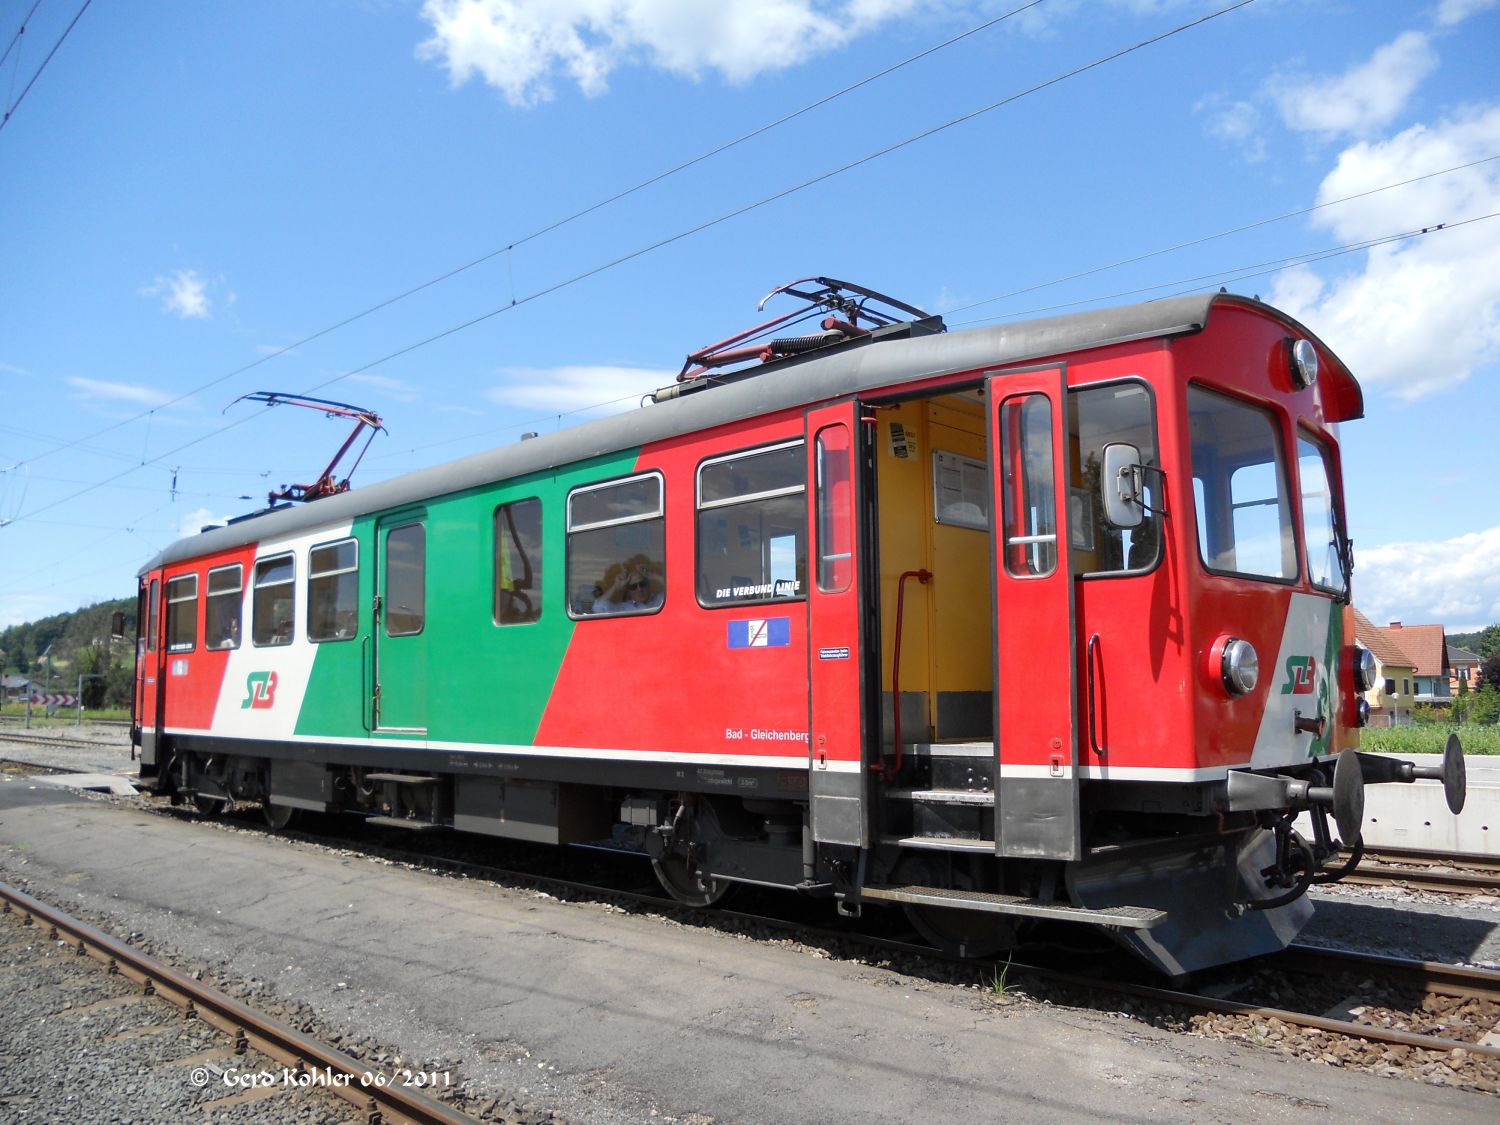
(963, 933)
(681, 878)
(680, 875)
(277, 816)
(206, 806)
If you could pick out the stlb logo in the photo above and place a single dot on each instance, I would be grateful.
(260, 690)
(1301, 672)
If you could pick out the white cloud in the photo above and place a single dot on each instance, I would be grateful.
(191, 523)
(119, 392)
(1423, 314)
(521, 46)
(1236, 123)
(1451, 12)
(578, 389)
(183, 293)
(1362, 99)
(1454, 582)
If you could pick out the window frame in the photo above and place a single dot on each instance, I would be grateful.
(1278, 423)
(1328, 457)
(699, 507)
(257, 586)
(1156, 488)
(570, 529)
(387, 530)
(190, 645)
(209, 594)
(537, 569)
(313, 576)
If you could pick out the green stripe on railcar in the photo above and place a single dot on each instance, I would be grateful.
(486, 683)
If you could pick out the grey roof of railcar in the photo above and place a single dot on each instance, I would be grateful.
(859, 366)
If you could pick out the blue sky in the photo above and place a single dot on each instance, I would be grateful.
(190, 189)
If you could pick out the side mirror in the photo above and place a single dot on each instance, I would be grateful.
(117, 627)
(1122, 486)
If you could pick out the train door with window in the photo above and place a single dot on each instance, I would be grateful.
(401, 636)
(838, 633)
(1036, 667)
(150, 670)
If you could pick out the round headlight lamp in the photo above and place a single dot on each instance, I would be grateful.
(1365, 669)
(1302, 358)
(1362, 712)
(1239, 666)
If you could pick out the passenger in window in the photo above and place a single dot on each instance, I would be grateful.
(628, 588)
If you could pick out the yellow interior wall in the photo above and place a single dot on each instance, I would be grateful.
(946, 643)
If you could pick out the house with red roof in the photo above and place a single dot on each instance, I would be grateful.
(1394, 695)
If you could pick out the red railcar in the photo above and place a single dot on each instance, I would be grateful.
(1045, 621)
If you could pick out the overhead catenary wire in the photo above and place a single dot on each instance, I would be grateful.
(551, 227)
(659, 244)
(11, 109)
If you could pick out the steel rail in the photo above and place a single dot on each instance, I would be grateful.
(1449, 980)
(380, 1097)
(1430, 976)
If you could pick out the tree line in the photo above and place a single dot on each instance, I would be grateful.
(69, 645)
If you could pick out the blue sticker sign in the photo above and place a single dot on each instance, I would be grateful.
(769, 632)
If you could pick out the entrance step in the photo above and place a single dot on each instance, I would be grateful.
(402, 778)
(1126, 917)
(402, 822)
(945, 844)
(944, 796)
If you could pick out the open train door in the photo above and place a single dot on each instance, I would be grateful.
(150, 673)
(1036, 668)
(838, 635)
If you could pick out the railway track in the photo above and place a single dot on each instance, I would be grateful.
(1450, 873)
(1387, 1003)
(379, 1096)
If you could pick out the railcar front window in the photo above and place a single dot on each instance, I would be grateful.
(182, 613)
(617, 548)
(1321, 531)
(518, 562)
(221, 607)
(1239, 489)
(1098, 416)
(752, 520)
(333, 591)
(275, 601)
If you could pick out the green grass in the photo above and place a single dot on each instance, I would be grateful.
(1430, 738)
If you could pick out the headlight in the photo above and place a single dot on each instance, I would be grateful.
(1363, 712)
(1302, 358)
(1240, 666)
(1365, 669)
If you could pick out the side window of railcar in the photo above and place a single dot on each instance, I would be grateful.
(275, 601)
(617, 547)
(1239, 488)
(405, 580)
(221, 607)
(333, 591)
(752, 526)
(1030, 505)
(1098, 416)
(1320, 534)
(518, 562)
(152, 620)
(182, 613)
